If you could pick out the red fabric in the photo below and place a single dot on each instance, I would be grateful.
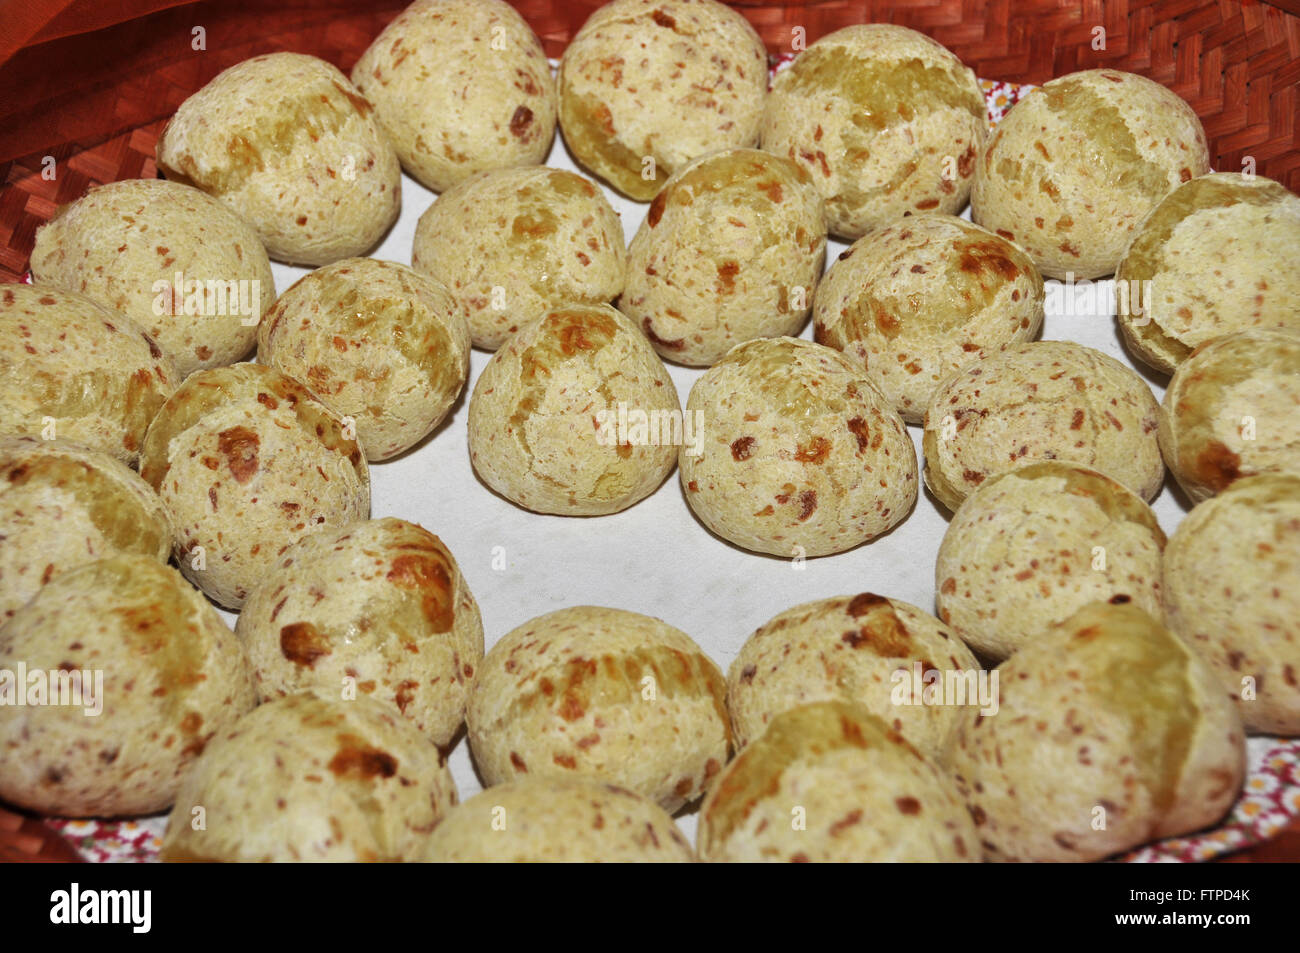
(77, 73)
(84, 16)
(20, 20)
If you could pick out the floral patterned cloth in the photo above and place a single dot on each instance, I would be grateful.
(114, 842)
(1000, 96)
(1269, 801)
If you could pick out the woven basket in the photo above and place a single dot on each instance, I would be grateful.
(91, 83)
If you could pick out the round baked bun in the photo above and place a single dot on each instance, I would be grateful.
(863, 649)
(380, 605)
(1230, 592)
(380, 344)
(248, 461)
(730, 250)
(550, 420)
(63, 505)
(648, 85)
(601, 693)
(311, 778)
(460, 86)
(886, 120)
(555, 820)
(179, 263)
(829, 782)
(916, 301)
(1111, 733)
(1232, 409)
(289, 144)
(1034, 545)
(798, 453)
(512, 244)
(1075, 166)
(71, 368)
(139, 672)
(1173, 293)
(1041, 401)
